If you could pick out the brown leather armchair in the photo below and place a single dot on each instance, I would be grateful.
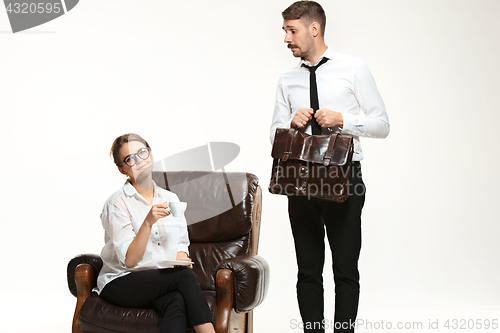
(223, 221)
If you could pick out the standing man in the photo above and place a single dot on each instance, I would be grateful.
(325, 93)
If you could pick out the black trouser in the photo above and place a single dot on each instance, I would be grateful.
(308, 219)
(174, 292)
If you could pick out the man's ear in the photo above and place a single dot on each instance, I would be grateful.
(315, 29)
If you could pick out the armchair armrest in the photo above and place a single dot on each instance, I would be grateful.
(82, 278)
(251, 280)
(93, 260)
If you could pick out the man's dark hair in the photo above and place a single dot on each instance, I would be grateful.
(311, 11)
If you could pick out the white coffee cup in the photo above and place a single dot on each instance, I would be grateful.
(177, 208)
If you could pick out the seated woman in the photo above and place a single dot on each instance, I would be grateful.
(140, 234)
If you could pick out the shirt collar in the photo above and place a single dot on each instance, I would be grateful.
(328, 54)
(130, 190)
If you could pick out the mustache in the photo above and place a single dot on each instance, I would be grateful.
(292, 45)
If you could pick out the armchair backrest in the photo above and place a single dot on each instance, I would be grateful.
(222, 215)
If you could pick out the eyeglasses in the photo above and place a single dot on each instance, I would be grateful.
(131, 159)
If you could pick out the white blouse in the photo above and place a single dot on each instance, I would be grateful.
(122, 216)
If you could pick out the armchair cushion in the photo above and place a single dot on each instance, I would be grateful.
(208, 255)
(227, 217)
(219, 215)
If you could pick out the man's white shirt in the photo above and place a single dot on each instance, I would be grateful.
(345, 85)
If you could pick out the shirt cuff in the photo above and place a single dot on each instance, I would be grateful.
(183, 248)
(121, 252)
(348, 123)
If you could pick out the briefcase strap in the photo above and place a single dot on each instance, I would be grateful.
(289, 140)
(329, 151)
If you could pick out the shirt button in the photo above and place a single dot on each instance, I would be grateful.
(156, 233)
(159, 243)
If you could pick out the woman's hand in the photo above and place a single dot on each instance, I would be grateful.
(182, 256)
(138, 246)
(158, 211)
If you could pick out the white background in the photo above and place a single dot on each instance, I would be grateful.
(185, 73)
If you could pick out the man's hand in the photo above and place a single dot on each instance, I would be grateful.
(329, 118)
(302, 117)
(182, 256)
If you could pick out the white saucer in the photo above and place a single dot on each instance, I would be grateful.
(178, 262)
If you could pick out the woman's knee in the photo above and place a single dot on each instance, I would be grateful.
(187, 277)
(186, 274)
(172, 301)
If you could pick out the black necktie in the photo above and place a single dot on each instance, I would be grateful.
(313, 93)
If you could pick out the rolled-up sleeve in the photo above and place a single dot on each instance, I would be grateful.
(376, 122)
(117, 223)
(183, 237)
(183, 243)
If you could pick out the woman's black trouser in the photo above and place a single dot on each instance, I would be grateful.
(174, 292)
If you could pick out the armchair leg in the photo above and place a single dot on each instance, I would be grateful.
(225, 292)
(249, 325)
(84, 274)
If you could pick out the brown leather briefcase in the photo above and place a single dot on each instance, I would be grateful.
(316, 166)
